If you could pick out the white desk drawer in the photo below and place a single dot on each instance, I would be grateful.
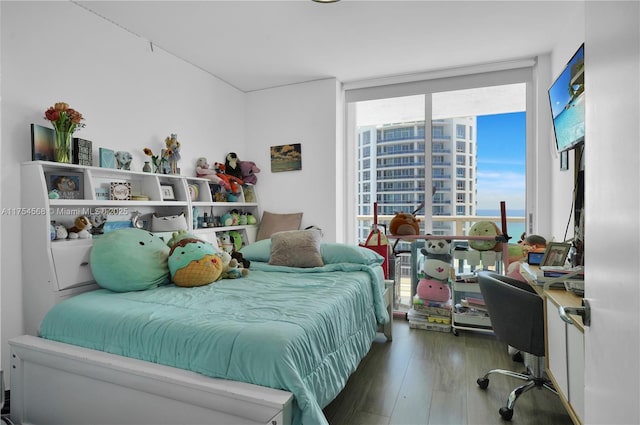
(71, 263)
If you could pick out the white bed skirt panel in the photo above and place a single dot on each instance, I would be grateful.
(56, 383)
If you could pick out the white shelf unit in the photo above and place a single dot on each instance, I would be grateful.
(63, 265)
(204, 202)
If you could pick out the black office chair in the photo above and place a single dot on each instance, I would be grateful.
(517, 318)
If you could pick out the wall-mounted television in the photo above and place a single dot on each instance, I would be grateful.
(566, 96)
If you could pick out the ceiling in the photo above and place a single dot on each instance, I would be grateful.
(253, 45)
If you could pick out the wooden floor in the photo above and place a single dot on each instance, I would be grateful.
(429, 378)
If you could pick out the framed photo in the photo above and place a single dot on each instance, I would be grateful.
(120, 191)
(67, 184)
(564, 160)
(286, 157)
(555, 254)
(167, 192)
(42, 143)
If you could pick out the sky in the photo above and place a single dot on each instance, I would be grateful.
(501, 160)
(500, 135)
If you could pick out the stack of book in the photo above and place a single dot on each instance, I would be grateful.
(474, 303)
(430, 315)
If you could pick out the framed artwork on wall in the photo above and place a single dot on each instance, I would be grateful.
(286, 158)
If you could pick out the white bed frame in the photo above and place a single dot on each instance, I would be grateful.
(52, 382)
(57, 383)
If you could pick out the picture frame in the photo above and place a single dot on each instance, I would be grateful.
(556, 254)
(42, 143)
(167, 192)
(120, 191)
(67, 184)
(286, 157)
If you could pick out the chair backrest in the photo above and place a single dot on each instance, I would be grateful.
(516, 312)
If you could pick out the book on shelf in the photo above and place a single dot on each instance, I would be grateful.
(473, 303)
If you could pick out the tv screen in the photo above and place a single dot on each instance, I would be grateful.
(566, 96)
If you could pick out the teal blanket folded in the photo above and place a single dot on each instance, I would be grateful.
(300, 330)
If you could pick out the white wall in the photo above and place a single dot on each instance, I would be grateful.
(132, 98)
(306, 114)
(562, 181)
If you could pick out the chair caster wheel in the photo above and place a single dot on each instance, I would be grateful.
(483, 383)
(506, 413)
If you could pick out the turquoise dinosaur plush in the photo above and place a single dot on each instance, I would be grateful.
(129, 260)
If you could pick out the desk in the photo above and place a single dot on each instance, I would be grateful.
(564, 344)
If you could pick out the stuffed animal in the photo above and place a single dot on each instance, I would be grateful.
(404, 224)
(485, 228)
(232, 166)
(226, 219)
(249, 170)
(60, 231)
(225, 242)
(203, 170)
(81, 228)
(97, 223)
(194, 262)
(231, 269)
(129, 260)
(236, 239)
(237, 255)
(123, 160)
(178, 236)
(231, 183)
(433, 285)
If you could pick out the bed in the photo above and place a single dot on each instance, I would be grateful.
(273, 347)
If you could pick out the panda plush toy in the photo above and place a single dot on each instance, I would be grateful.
(434, 285)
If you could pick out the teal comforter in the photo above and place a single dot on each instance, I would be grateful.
(300, 330)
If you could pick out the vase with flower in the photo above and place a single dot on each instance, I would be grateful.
(158, 162)
(65, 121)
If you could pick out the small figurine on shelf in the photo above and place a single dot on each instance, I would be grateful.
(173, 148)
(123, 160)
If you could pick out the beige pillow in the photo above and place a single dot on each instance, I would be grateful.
(296, 248)
(272, 223)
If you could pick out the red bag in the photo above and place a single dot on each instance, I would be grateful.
(377, 241)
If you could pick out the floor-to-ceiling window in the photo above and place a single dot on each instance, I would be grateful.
(451, 150)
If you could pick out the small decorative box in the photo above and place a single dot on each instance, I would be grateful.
(102, 194)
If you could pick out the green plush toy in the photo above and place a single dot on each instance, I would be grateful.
(485, 228)
(129, 260)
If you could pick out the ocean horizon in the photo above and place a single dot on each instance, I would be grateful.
(514, 230)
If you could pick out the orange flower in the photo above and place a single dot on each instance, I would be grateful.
(64, 118)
